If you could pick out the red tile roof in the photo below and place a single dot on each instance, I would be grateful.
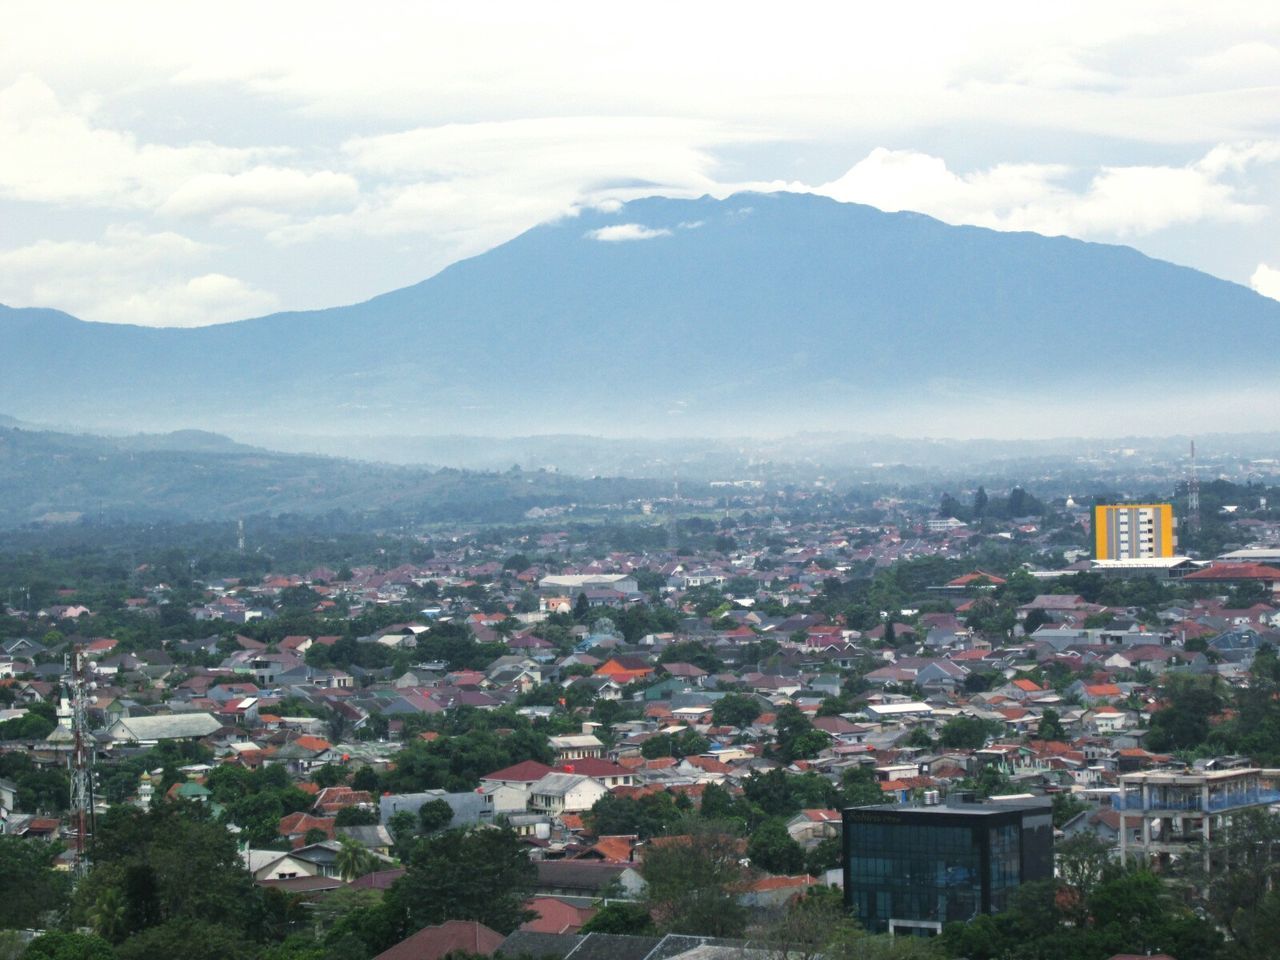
(452, 936)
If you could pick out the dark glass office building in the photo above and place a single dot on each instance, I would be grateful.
(912, 869)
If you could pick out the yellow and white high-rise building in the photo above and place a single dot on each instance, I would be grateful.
(1134, 531)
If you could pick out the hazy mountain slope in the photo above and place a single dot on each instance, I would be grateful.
(46, 475)
(761, 309)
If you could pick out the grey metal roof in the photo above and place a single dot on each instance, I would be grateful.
(174, 726)
(613, 946)
(540, 946)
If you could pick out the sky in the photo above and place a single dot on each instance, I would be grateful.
(179, 164)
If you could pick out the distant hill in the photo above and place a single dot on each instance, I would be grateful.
(777, 312)
(47, 476)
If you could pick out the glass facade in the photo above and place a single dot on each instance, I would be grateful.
(926, 867)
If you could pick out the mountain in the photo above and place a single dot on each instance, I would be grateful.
(52, 477)
(758, 313)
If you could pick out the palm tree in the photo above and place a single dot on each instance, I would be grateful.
(353, 860)
(107, 915)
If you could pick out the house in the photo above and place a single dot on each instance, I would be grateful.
(810, 827)
(558, 793)
(576, 746)
(585, 878)
(461, 937)
(172, 726)
(625, 669)
(555, 915)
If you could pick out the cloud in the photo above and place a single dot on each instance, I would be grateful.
(53, 154)
(128, 276)
(262, 188)
(1116, 201)
(627, 231)
(209, 298)
(1266, 281)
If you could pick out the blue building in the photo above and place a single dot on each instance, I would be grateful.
(913, 869)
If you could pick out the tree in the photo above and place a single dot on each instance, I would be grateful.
(980, 501)
(355, 817)
(435, 814)
(108, 916)
(966, 733)
(482, 875)
(796, 737)
(59, 945)
(692, 881)
(29, 886)
(581, 608)
(353, 860)
(620, 916)
(190, 939)
(773, 849)
(1183, 724)
(1034, 620)
(859, 788)
(735, 711)
(170, 864)
(1051, 727)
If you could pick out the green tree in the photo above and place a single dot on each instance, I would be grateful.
(435, 815)
(797, 738)
(773, 849)
(620, 916)
(60, 945)
(190, 939)
(692, 881)
(30, 888)
(171, 864)
(482, 875)
(1184, 722)
(859, 787)
(108, 916)
(967, 733)
(353, 860)
(1051, 727)
(735, 710)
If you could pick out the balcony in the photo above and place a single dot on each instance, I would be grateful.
(1191, 803)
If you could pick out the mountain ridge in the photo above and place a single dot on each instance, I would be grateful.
(773, 309)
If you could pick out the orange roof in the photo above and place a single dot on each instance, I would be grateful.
(614, 849)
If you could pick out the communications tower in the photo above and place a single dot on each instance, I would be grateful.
(1193, 494)
(75, 708)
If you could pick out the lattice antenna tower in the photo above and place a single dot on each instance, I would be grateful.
(1193, 493)
(80, 696)
(674, 537)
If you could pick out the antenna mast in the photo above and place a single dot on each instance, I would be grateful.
(79, 689)
(1193, 494)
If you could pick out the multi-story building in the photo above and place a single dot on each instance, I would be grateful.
(912, 869)
(1133, 531)
(1173, 813)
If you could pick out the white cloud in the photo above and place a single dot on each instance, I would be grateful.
(53, 154)
(627, 231)
(1116, 201)
(210, 298)
(128, 276)
(1266, 280)
(262, 188)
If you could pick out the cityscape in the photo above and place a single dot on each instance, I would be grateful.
(675, 483)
